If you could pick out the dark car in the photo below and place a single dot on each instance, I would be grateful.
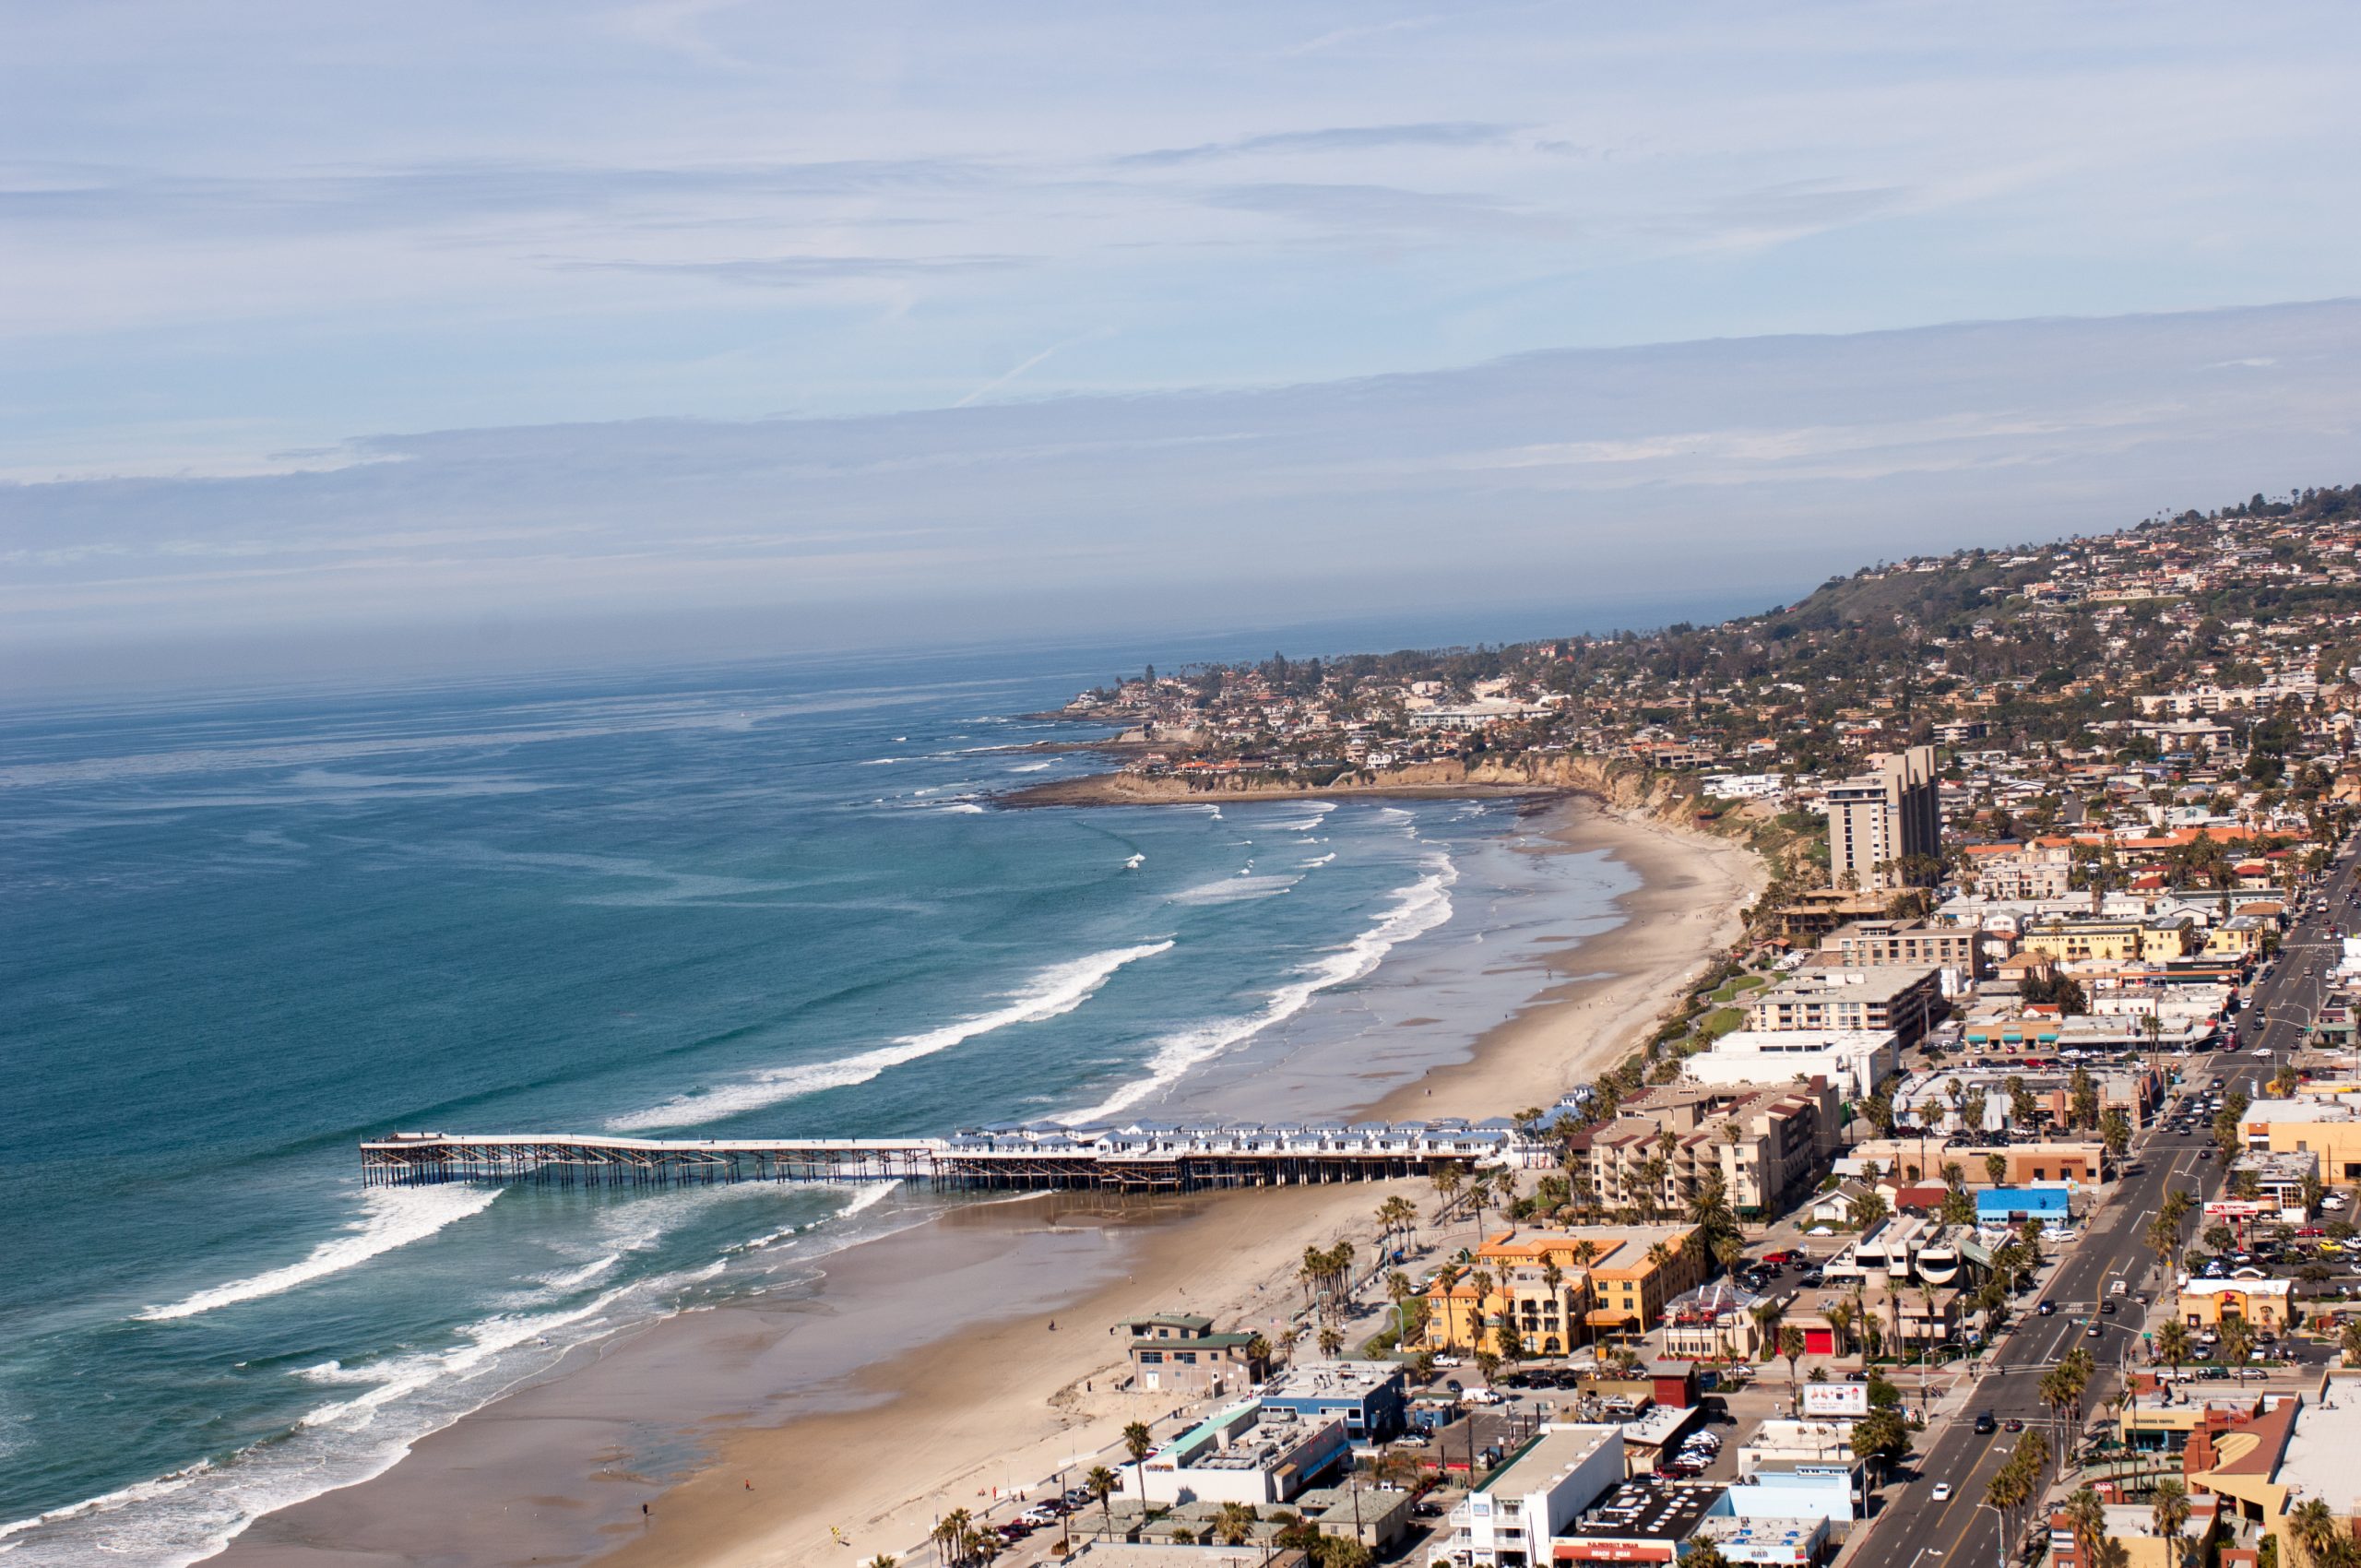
(2046, 1307)
(1985, 1421)
(2107, 1307)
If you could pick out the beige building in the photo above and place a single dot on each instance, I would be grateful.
(1877, 818)
(1770, 1147)
(2329, 1129)
(1906, 1001)
(1908, 944)
(2149, 941)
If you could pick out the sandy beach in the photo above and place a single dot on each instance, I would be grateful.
(784, 1420)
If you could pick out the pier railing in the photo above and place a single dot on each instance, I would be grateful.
(1206, 1160)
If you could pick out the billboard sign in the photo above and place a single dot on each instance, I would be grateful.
(2236, 1208)
(1824, 1399)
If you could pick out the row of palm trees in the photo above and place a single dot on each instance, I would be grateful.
(2085, 1514)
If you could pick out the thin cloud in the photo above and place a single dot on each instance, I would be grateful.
(1335, 139)
(803, 271)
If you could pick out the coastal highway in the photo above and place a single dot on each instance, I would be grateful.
(1915, 1531)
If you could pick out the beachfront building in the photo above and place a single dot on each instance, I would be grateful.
(1512, 1519)
(1561, 1289)
(1905, 944)
(1906, 1001)
(1883, 818)
(1856, 1061)
(1245, 1453)
(1179, 1353)
(1769, 1145)
(1368, 1397)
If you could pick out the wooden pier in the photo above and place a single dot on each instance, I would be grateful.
(1020, 1160)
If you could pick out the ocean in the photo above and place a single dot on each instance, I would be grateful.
(241, 934)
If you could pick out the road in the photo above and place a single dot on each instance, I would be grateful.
(1916, 1531)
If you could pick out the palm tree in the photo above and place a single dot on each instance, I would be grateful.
(1996, 1168)
(1101, 1484)
(1447, 1177)
(1234, 1522)
(882, 1560)
(1137, 1442)
(2172, 1343)
(951, 1533)
(2350, 1343)
(1791, 1346)
(1331, 1341)
(2237, 1339)
(2170, 1513)
(2086, 1516)
(1839, 1321)
(2314, 1530)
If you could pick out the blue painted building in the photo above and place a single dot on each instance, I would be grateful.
(1370, 1397)
(2014, 1205)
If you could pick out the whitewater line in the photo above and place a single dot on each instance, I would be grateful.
(1055, 990)
(392, 1218)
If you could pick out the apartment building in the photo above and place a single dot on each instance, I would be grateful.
(2019, 871)
(2150, 941)
(1906, 1001)
(1769, 1145)
(1907, 945)
(1877, 818)
(1564, 1287)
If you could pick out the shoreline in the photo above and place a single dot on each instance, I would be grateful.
(749, 1392)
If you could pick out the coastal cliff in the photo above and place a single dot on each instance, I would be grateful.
(1622, 785)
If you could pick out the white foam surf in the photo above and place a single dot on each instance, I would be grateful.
(1418, 909)
(1136, 862)
(1055, 990)
(966, 808)
(1030, 767)
(1234, 889)
(392, 1217)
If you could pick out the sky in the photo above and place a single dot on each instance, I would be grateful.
(813, 323)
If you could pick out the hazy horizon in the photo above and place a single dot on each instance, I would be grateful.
(440, 336)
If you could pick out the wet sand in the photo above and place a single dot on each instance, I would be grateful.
(920, 1374)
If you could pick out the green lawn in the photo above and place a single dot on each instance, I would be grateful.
(1734, 986)
(1721, 1021)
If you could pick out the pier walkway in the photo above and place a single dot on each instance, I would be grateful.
(1141, 1157)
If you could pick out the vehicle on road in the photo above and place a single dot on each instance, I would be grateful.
(1986, 1423)
(1942, 1491)
(2012, 1424)
(2046, 1307)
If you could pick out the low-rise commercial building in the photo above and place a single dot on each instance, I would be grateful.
(1368, 1397)
(1511, 1521)
(1246, 1453)
(1856, 1061)
(2329, 1129)
(1644, 1520)
(2208, 1303)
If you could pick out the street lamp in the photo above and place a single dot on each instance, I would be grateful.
(1999, 1535)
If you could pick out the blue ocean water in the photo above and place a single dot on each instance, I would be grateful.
(237, 936)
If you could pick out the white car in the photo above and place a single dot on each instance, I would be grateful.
(1942, 1491)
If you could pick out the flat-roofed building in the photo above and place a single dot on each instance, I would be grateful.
(1245, 1453)
(1906, 1002)
(1512, 1519)
(1370, 1397)
(1856, 1061)
(1909, 944)
(1769, 1145)
(2329, 1129)
(1883, 821)
(2207, 1303)
(1644, 1520)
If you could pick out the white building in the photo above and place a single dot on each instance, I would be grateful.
(1856, 1061)
(1509, 1520)
(1247, 1453)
